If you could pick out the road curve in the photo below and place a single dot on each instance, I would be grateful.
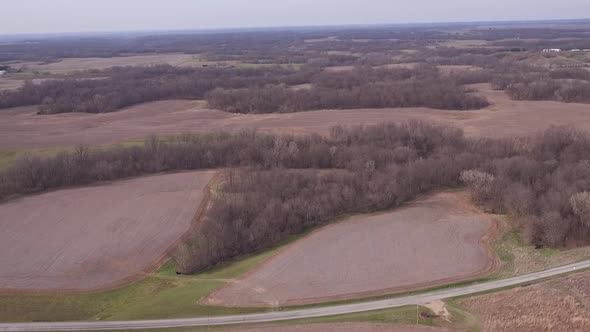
(296, 314)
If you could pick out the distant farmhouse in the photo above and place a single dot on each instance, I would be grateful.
(547, 50)
(3, 70)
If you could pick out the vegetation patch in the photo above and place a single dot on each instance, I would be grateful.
(163, 294)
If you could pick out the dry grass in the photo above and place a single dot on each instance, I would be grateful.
(559, 305)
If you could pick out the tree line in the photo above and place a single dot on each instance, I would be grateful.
(362, 87)
(543, 183)
(262, 90)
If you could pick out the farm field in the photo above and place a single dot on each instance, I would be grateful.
(75, 65)
(69, 65)
(91, 238)
(22, 128)
(395, 208)
(555, 305)
(10, 84)
(372, 255)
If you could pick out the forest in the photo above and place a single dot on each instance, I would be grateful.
(254, 90)
(115, 88)
(542, 182)
(300, 70)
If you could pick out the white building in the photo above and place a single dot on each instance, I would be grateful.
(2, 72)
(552, 50)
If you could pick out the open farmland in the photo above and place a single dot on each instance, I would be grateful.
(70, 65)
(556, 305)
(22, 128)
(372, 255)
(10, 84)
(90, 238)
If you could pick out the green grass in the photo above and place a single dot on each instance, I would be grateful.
(403, 315)
(9, 156)
(162, 294)
(518, 257)
(549, 252)
(200, 61)
(504, 246)
(245, 65)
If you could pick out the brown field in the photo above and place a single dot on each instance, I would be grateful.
(85, 239)
(341, 327)
(435, 240)
(559, 305)
(22, 128)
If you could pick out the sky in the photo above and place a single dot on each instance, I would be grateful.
(55, 16)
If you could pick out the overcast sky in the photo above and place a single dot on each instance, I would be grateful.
(49, 16)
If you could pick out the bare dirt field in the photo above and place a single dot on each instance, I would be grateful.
(560, 305)
(341, 327)
(89, 238)
(22, 128)
(435, 240)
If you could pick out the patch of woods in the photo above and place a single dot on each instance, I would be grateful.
(570, 85)
(362, 87)
(262, 90)
(543, 183)
(125, 86)
(277, 186)
(373, 80)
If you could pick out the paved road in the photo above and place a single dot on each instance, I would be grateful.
(295, 314)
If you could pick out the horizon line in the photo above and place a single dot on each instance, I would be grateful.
(289, 27)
